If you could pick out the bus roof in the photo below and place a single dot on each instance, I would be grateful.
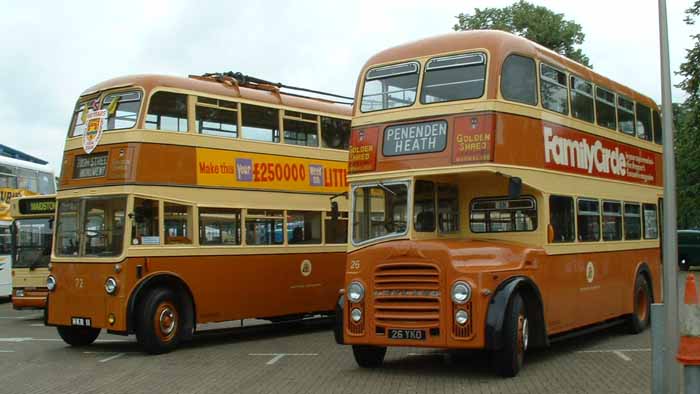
(25, 164)
(150, 81)
(500, 44)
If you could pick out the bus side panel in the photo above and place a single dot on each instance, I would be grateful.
(246, 286)
(5, 276)
(578, 295)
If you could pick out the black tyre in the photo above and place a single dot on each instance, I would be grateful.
(368, 356)
(508, 360)
(78, 336)
(639, 320)
(159, 322)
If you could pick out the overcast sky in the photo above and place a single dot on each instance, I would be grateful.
(51, 52)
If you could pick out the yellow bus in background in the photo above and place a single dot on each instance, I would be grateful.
(17, 178)
(185, 201)
(32, 230)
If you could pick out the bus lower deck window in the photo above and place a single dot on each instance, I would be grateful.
(497, 215)
(303, 227)
(177, 220)
(264, 227)
(219, 226)
(448, 208)
(561, 217)
(588, 220)
(632, 219)
(145, 225)
(651, 225)
(424, 206)
(612, 221)
(336, 230)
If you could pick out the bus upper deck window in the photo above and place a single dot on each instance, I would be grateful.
(300, 128)
(260, 123)
(8, 177)
(77, 123)
(582, 99)
(519, 80)
(658, 131)
(625, 115)
(605, 108)
(450, 78)
(27, 179)
(388, 87)
(644, 122)
(335, 133)
(167, 111)
(122, 109)
(216, 117)
(554, 90)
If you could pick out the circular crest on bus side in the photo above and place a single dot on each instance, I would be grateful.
(306, 267)
(590, 272)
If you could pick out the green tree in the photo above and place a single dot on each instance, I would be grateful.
(687, 136)
(536, 23)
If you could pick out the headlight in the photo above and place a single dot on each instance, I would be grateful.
(461, 317)
(461, 292)
(19, 292)
(51, 283)
(356, 292)
(111, 285)
(356, 315)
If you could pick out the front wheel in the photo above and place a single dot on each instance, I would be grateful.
(78, 336)
(159, 322)
(642, 306)
(516, 330)
(368, 356)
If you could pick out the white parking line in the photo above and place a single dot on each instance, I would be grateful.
(37, 325)
(7, 351)
(278, 356)
(30, 339)
(618, 352)
(30, 317)
(108, 359)
(622, 355)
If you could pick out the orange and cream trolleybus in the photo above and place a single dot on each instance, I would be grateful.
(32, 231)
(501, 196)
(185, 201)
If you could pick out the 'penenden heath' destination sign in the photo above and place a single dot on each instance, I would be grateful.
(413, 138)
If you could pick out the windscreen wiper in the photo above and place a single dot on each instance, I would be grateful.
(386, 189)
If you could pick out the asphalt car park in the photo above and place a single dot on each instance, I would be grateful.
(302, 357)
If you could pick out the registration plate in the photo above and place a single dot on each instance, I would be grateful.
(81, 321)
(414, 335)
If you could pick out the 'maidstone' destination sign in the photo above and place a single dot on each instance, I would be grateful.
(413, 138)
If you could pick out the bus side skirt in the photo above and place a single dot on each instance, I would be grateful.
(499, 304)
(167, 280)
(339, 327)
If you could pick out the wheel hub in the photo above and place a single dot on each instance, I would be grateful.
(166, 321)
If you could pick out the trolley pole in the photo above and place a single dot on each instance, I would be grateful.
(671, 370)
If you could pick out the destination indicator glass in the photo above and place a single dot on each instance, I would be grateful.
(90, 166)
(415, 138)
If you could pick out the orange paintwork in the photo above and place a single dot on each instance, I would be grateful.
(569, 300)
(32, 299)
(517, 140)
(223, 287)
(402, 277)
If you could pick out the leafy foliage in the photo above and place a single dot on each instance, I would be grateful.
(687, 137)
(536, 23)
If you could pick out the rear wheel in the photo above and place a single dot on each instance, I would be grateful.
(159, 324)
(78, 336)
(368, 356)
(516, 331)
(642, 305)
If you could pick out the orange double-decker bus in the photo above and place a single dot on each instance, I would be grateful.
(185, 201)
(501, 195)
